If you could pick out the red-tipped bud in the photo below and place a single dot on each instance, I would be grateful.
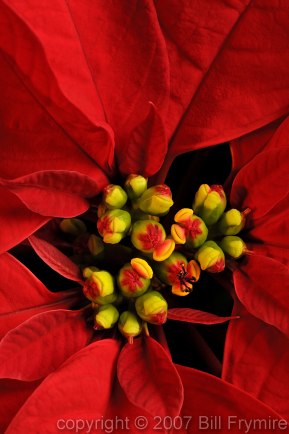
(210, 203)
(211, 257)
(98, 284)
(152, 307)
(114, 196)
(156, 200)
(114, 225)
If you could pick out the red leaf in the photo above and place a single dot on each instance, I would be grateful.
(81, 386)
(13, 395)
(237, 68)
(16, 221)
(22, 295)
(149, 378)
(262, 286)
(269, 234)
(197, 316)
(211, 404)
(54, 193)
(42, 343)
(146, 148)
(245, 148)
(31, 140)
(67, 93)
(55, 259)
(129, 66)
(255, 350)
(258, 192)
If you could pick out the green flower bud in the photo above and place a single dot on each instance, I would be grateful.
(152, 307)
(114, 196)
(106, 317)
(129, 325)
(189, 230)
(114, 225)
(233, 246)
(73, 226)
(149, 236)
(210, 203)
(99, 284)
(232, 222)
(135, 186)
(130, 282)
(95, 245)
(211, 257)
(156, 200)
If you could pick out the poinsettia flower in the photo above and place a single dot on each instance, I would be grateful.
(72, 104)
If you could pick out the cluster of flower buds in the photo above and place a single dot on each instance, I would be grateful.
(202, 238)
(127, 300)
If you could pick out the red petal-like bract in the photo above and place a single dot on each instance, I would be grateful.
(262, 286)
(237, 70)
(13, 394)
(22, 295)
(263, 183)
(80, 388)
(55, 259)
(146, 148)
(209, 399)
(197, 316)
(67, 93)
(16, 221)
(149, 378)
(42, 343)
(54, 193)
(255, 350)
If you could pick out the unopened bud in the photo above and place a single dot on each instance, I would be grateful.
(95, 245)
(106, 317)
(152, 307)
(156, 200)
(211, 257)
(73, 226)
(129, 325)
(114, 225)
(130, 283)
(233, 246)
(99, 284)
(135, 186)
(87, 272)
(210, 203)
(231, 222)
(114, 196)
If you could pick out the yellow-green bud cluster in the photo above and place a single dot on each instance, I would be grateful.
(150, 254)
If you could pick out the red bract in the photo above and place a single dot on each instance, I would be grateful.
(261, 280)
(255, 350)
(42, 335)
(106, 100)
